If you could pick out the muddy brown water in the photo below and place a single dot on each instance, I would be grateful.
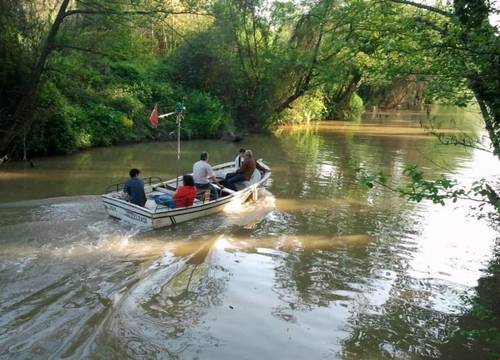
(319, 267)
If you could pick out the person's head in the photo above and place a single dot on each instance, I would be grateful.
(134, 172)
(248, 154)
(204, 156)
(242, 151)
(187, 180)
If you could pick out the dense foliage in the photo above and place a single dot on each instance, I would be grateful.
(76, 74)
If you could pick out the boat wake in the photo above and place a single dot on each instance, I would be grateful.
(250, 213)
(72, 278)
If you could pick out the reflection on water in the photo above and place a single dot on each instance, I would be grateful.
(319, 267)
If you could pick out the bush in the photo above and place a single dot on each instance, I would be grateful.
(205, 116)
(352, 111)
(125, 71)
(106, 127)
(356, 108)
(124, 101)
(103, 104)
(304, 109)
(52, 131)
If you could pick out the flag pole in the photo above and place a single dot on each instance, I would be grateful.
(179, 115)
(179, 110)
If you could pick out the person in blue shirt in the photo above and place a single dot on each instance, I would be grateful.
(134, 188)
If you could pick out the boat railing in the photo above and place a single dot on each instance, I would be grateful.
(119, 186)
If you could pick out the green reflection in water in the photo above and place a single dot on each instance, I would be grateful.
(320, 267)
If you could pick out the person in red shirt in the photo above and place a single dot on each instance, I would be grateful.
(185, 195)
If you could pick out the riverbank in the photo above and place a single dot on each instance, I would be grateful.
(89, 171)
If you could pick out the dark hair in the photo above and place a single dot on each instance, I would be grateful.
(242, 150)
(204, 155)
(134, 172)
(188, 180)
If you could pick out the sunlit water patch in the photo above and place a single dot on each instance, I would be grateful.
(319, 267)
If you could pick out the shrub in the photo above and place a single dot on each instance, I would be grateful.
(125, 102)
(125, 71)
(352, 111)
(356, 108)
(52, 131)
(205, 116)
(305, 109)
(106, 127)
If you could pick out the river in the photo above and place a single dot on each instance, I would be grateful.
(320, 267)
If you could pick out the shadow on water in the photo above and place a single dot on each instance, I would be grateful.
(478, 333)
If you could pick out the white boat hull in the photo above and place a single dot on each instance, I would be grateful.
(159, 217)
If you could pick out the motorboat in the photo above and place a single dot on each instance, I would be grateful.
(154, 215)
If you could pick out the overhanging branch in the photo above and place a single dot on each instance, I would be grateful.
(70, 47)
(425, 7)
(430, 24)
(134, 12)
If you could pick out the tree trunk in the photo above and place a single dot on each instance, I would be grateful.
(484, 76)
(304, 82)
(483, 73)
(23, 115)
(341, 103)
(490, 109)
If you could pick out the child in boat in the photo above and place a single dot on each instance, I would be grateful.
(184, 196)
(134, 188)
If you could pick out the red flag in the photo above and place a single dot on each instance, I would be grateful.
(154, 117)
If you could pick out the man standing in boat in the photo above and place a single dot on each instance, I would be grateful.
(203, 175)
(134, 188)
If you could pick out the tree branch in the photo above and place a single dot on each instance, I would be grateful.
(178, 33)
(430, 24)
(70, 47)
(446, 139)
(425, 7)
(135, 12)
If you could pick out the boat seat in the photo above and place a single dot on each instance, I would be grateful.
(204, 197)
(162, 190)
(150, 204)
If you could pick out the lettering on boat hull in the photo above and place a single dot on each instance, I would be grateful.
(136, 217)
(127, 215)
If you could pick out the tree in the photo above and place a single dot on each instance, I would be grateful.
(21, 117)
(472, 46)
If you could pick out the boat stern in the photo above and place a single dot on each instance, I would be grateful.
(130, 213)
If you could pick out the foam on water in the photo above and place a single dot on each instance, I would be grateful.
(74, 260)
